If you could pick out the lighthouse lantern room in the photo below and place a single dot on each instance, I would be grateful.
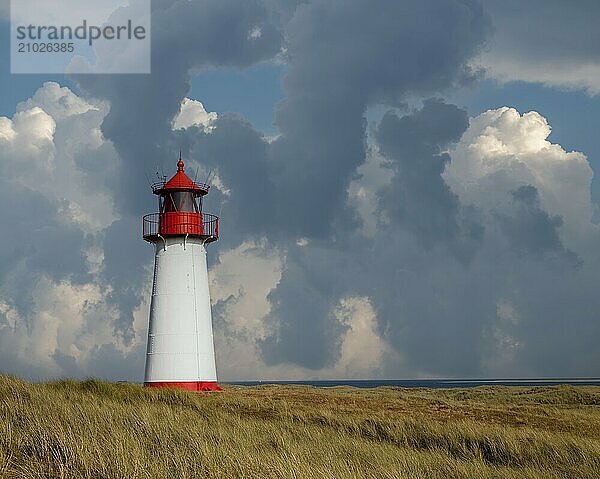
(180, 350)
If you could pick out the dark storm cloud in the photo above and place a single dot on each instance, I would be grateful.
(436, 276)
(185, 36)
(304, 329)
(445, 316)
(344, 56)
(556, 308)
(417, 197)
(539, 30)
(545, 41)
(423, 287)
(531, 230)
(297, 185)
(418, 285)
(430, 306)
(239, 153)
(417, 202)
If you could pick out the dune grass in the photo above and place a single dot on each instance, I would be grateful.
(93, 429)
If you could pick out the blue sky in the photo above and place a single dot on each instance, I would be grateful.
(254, 92)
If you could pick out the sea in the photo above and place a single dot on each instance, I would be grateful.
(431, 383)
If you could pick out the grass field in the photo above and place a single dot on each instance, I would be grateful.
(93, 429)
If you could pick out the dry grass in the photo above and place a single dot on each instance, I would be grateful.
(93, 429)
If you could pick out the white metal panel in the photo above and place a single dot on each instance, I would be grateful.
(180, 337)
(164, 368)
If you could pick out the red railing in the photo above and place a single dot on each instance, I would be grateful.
(160, 185)
(178, 223)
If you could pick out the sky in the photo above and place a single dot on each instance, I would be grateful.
(406, 190)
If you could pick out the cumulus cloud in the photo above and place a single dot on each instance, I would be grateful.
(58, 102)
(30, 132)
(501, 304)
(47, 140)
(53, 300)
(240, 286)
(62, 338)
(192, 113)
(503, 150)
(477, 294)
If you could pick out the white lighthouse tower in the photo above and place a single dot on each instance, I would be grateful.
(180, 351)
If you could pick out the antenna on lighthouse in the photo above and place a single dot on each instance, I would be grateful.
(162, 170)
(209, 177)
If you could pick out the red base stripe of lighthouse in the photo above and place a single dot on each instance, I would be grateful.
(187, 385)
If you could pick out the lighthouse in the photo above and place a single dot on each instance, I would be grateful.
(180, 352)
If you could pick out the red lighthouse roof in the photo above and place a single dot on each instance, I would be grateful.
(180, 182)
(180, 210)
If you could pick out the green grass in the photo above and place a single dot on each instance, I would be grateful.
(93, 429)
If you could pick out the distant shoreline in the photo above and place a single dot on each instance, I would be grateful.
(429, 383)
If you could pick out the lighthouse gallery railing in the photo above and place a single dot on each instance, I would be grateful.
(185, 222)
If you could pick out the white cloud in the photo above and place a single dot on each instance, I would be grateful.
(243, 279)
(567, 75)
(255, 33)
(503, 150)
(27, 142)
(68, 321)
(362, 192)
(192, 113)
(44, 144)
(364, 352)
(53, 147)
(58, 102)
